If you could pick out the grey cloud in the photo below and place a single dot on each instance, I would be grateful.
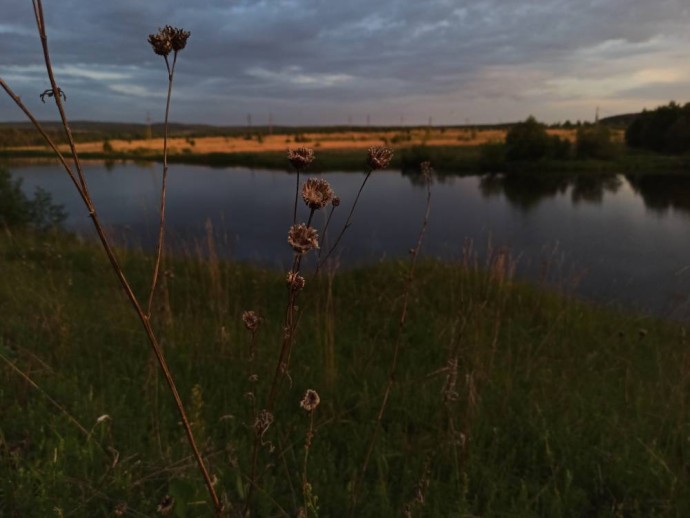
(280, 54)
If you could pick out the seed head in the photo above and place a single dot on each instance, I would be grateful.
(336, 201)
(251, 320)
(178, 37)
(301, 157)
(317, 193)
(161, 43)
(379, 157)
(168, 39)
(295, 281)
(303, 238)
(166, 505)
(310, 400)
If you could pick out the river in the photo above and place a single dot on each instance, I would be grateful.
(619, 240)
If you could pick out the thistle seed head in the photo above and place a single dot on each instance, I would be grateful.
(178, 37)
(303, 238)
(251, 320)
(379, 157)
(317, 193)
(168, 39)
(310, 400)
(301, 157)
(295, 281)
(161, 43)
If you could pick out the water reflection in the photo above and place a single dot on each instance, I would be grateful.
(527, 191)
(662, 192)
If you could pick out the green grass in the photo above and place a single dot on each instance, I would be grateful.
(447, 160)
(562, 409)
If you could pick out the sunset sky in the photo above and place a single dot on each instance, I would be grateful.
(330, 62)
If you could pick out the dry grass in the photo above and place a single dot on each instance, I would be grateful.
(336, 140)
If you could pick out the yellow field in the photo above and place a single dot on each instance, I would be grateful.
(321, 140)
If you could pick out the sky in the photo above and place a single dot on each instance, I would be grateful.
(325, 62)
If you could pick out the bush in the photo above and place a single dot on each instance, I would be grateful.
(527, 140)
(594, 142)
(16, 210)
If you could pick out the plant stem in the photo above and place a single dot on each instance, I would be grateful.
(161, 227)
(105, 242)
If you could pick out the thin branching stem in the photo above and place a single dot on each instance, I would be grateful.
(294, 210)
(161, 226)
(105, 242)
(346, 225)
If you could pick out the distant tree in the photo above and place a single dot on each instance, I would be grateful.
(665, 129)
(107, 146)
(527, 140)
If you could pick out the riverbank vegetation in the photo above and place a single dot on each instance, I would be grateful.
(508, 399)
(527, 146)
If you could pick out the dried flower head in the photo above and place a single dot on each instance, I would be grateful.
(168, 39)
(301, 157)
(310, 400)
(263, 422)
(161, 42)
(166, 505)
(303, 238)
(295, 281)
(317, 193)
(379, 157)
(120, 509)
(251, 320)
(336, 201)
(178, 37)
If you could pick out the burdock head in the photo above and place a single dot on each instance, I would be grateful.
(379, 157)
(301, 157)
(303, 238)
(317, 193)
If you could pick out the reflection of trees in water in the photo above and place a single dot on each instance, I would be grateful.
(527, 191)
(591, 188)
(662, 192)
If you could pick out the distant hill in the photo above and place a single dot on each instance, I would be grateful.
(619, 121)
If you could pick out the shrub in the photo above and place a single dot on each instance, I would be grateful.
(594, 142)
(527, 140)
(16, 210)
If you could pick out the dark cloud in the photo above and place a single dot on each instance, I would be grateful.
(316, 61)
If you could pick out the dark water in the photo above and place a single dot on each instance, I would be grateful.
(618, 240)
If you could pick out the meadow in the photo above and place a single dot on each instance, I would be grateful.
(507, 400)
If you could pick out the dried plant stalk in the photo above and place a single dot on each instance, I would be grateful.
(80, 183)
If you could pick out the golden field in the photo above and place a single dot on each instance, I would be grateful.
(337, 140)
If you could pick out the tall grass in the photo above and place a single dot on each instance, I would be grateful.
(507, 400)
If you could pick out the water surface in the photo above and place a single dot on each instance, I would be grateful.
(617, 240)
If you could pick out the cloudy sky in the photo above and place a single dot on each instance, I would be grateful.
(334, 61)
